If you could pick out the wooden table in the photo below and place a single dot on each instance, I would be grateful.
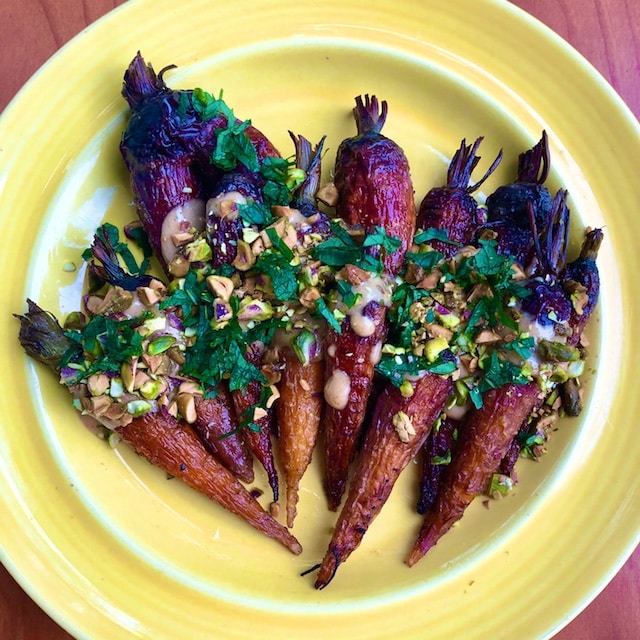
(606, 32)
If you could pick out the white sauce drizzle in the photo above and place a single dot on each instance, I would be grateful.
(225, 205)
(376, 353)
(337, 389)
(375, 289)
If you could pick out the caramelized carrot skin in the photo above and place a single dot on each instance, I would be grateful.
(439, 444)
(383, 456)
(216, 425)
(299, 411)
(259, 442)
(352, 354)
(174, 447)
(375, 189)
(483, 443)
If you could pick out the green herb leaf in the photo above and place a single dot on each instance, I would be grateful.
(254, 213)
(380, 238)
(498, 372)
(233, 146)
(282, 274)
(432, 233)
(345, 289)
(325, 312)
(425, 259)
(397, 368)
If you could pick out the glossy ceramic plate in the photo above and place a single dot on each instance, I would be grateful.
(112, 549)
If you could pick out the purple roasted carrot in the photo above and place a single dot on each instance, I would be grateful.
(374, 191)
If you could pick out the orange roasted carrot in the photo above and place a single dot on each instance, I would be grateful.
(166, 442)
(398, 430)
(487, 434)
(174, 447)
(299, 411)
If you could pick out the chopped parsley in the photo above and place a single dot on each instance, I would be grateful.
(107, 342)
(341, 248)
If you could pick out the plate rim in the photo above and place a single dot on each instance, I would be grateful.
(547, 33)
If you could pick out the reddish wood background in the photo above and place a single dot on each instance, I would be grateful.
(606, 32)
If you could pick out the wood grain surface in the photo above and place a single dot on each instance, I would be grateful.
(606, 32)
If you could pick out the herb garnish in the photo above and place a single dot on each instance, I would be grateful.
(341, 248)
(108, 342)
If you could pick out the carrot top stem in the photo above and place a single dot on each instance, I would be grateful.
(370, 115)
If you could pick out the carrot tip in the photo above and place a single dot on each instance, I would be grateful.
(328, 569)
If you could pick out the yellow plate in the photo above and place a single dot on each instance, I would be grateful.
(111, 548)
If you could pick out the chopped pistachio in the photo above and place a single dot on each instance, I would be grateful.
(116, 388)
(448, 320)
(150, 389)
(159, 323)
(406, 389)
(245, 259)
(198, 251)
(255, 310)
(550, 351)
(434, 347)
(160, 345)
(221, 286)
(500, 485)
(403, 426)
(187, 407)
(128, 374)
(138, 407)
(98, 384)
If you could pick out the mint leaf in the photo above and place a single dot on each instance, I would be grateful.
(325, 312)
(233, 146)
(432, 233)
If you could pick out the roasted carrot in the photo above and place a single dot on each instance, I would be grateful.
(581, 283)
(398, 429)
(163, 440)
(299, 411)
(451, 208)
(168, 144)
(483, 443)
(373, 180)
(299, 408)
(375, 190)
(217, 426)
(174, 447)
(258, 438)
(349, 371)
